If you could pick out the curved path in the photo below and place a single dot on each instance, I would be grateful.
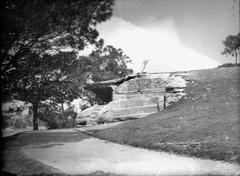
(92, 155)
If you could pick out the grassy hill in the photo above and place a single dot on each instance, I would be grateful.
(205, 123)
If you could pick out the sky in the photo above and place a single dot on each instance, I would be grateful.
(174, 35)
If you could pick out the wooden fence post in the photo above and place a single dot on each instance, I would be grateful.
(164, 101)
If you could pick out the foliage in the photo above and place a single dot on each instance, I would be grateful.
(56, 119)
(109, 63)
(34, 27)
(103, 64)
(46, 77)
(232, 46)
(19, 123)
(6, 120)
(40, 78)
(228, 65)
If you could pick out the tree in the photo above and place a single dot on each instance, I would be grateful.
(232, 46)
(36, 26)
(106, 63)
(109, 63)
(145, 62)
(47, 77)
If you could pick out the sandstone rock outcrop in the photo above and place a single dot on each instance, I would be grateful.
(134, 97)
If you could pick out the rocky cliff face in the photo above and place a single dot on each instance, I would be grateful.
(138, 97)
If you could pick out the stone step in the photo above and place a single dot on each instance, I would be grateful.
(127, 103)
(143, 90)
(94, 113)
(133, 110)
(97, 111)
(119, 97)
(126, 117)
(98, 108)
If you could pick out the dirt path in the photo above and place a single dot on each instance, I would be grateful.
(92, 155)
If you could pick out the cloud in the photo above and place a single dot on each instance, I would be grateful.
(157, 42)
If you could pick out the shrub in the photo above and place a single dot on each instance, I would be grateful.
(228, 65)
(56, 120)
(19, 123)
(101, 120)
(13, 121)
(6, 120)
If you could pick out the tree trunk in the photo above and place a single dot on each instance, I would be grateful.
(164, 101)
(62, 108)
(236, 58)
(35, 116)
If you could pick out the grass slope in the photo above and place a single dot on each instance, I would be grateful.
(204, 124)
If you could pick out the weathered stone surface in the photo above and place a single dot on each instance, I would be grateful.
(91, 115)
(131, 111)
(138, 97)
(135, 102)
(173, 98)
(176, 81)
(136, 87)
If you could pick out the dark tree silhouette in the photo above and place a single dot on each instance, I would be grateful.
(34, 28)
(109, 63)
(49, 77)
(232, 46)
(37, 26)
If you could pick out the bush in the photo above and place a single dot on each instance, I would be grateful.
(13, 121)
(56, 120)
(19, 123)
(101, 120)
(6, 120)
(228, 65)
